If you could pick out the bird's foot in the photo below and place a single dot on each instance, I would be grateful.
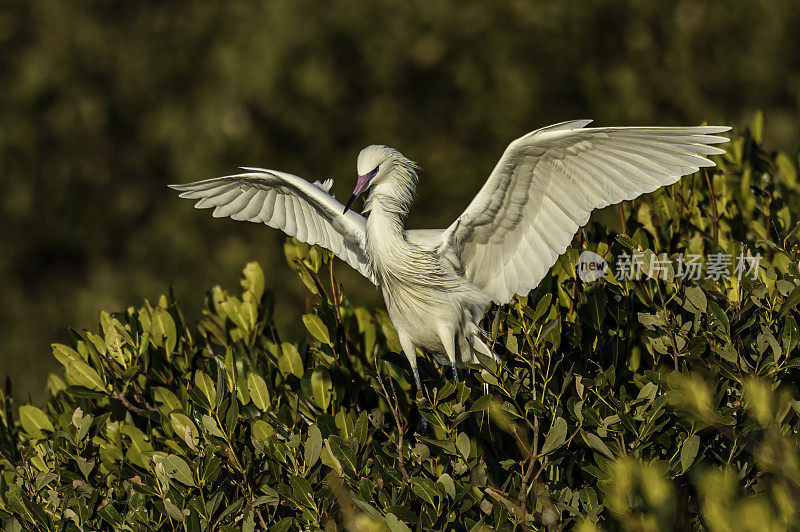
(417, 380)
(421, 402)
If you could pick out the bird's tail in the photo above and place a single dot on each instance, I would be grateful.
(474, 343)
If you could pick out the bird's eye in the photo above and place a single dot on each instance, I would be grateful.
(375, 171)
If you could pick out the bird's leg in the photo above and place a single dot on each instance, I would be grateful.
(411, 354)
(417, 381)
(448, 339)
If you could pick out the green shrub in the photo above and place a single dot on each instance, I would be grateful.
(644, 404)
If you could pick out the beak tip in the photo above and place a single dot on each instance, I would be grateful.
(349, 203)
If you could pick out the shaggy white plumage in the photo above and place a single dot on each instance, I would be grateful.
(437, 282)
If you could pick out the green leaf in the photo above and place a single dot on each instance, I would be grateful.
(249, 311)
(301, 489)
(447, 483)
(697, 297)
(206, 385)
(511, 344)
(568, 262)
(259, 393)
(282, 526)
(290, 363)
(199, 398)
(176, 468)
(232, 417)
(343, 453)
(318, 257)
(168, 399)
(261, 430)
(211, 426)
(556, 437)
(232, 308)
(594, 441)
(139, 450)
(596, 301)
(425, 489)
(463, 445)
(366, 326)
(230, 369)
(361, 431)
(395, 525)
(34, 421)
(253, 279)
(97, 341)
(173, 511)
(79, 373)
(162, 327)
(720, 315)
(184, 427)
(791, 300)
(313, 446)
(81, 423)
(233, 508)
(110, 514)
(65, 354)
(317, 329)
(389, 332)
(689, 451)
(481, 403)
(321, 387)
(542, 306)
(626, 241)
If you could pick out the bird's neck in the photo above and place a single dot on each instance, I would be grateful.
(386, 216)
(390, 200)
(388, 206)
(385, 245)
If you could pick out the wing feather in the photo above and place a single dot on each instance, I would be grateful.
(546, 185)
(289, 203)
(238, 201)
(268, 207)
(253, 208)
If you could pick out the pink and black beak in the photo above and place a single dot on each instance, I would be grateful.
(361, 185)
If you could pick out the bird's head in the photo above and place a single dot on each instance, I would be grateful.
(375, 164)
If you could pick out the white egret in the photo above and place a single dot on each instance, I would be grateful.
(437, 282)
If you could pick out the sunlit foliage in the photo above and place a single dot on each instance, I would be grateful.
(650, 404)
(104, 103)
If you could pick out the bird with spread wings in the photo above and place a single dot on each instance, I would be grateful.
(437, 282)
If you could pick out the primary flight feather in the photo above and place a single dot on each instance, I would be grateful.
(438, 282)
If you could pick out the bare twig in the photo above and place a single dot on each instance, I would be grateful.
(715, 220)
(394, 407)
(669, 326)
(336, 293)
(119, 395)
(622, 218)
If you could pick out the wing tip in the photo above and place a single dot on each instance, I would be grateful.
(713, 150)
(569, 125)
(720, 129)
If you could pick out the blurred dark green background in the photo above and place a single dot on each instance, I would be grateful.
(103, 103)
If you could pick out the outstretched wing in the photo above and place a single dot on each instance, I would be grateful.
(547, 183)
(284, 201)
